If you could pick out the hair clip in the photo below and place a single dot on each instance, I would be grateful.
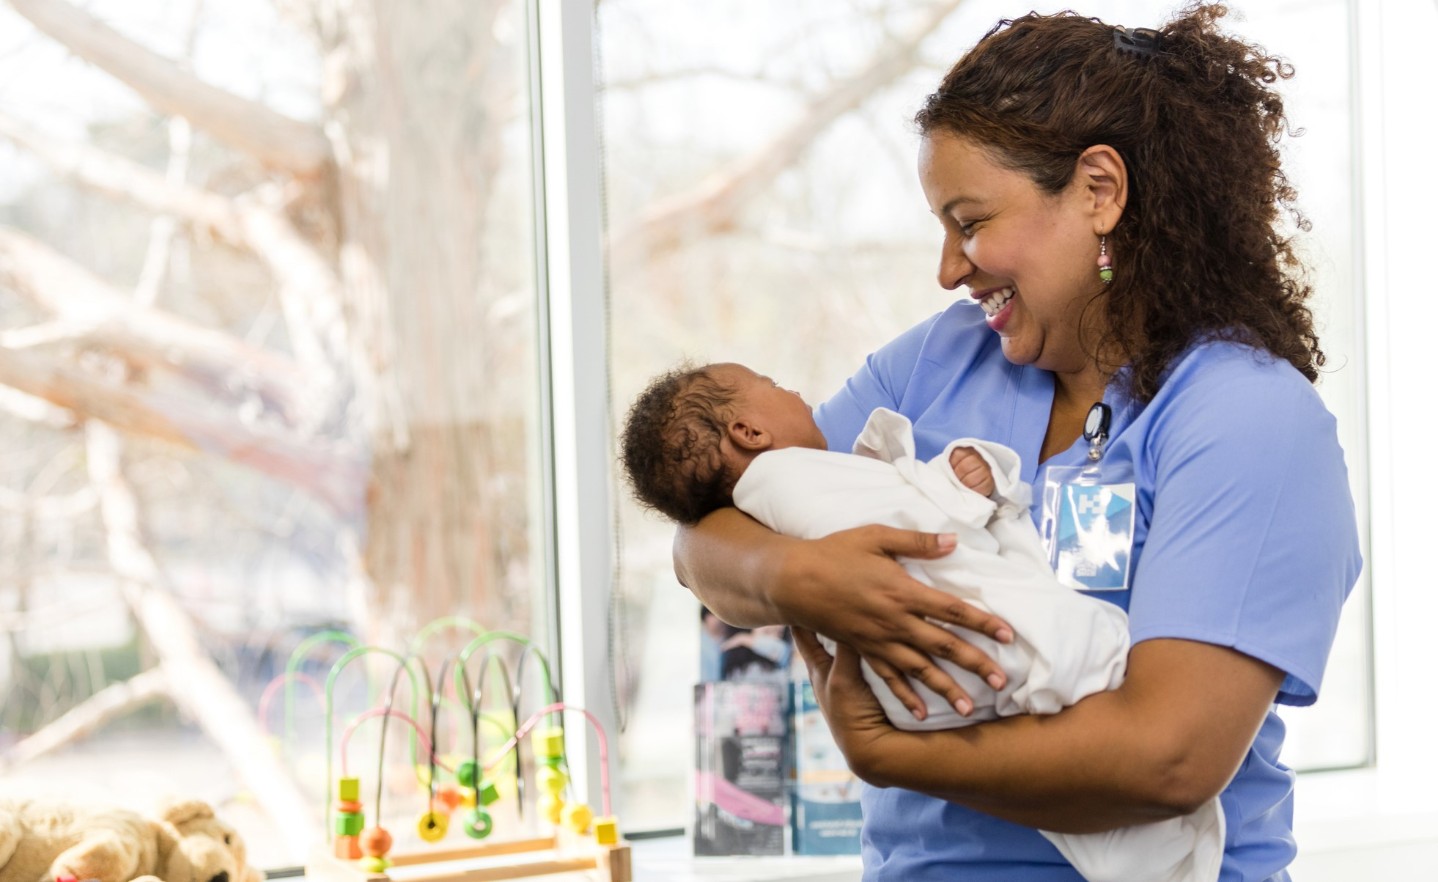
(1143, 42)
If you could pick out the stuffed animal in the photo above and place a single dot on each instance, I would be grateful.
(42, 841)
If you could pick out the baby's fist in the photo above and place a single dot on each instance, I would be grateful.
(972, 470)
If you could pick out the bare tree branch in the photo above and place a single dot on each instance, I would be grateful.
(90, 310)
(334, 473)
(310, 292)
(87, 717)
(128, 181)
(714, 204)
(35, 410)
(195, 682)
(275, 140)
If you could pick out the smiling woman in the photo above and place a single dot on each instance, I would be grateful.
(836, 254)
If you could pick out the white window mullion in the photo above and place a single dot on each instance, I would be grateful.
(574, 349)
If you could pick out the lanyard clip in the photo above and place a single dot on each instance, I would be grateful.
(1095, 429)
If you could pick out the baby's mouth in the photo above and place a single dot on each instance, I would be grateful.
(996, 301)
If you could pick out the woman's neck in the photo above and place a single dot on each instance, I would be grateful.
(1074, 395)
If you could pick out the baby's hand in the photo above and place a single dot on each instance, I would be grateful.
(972, 470)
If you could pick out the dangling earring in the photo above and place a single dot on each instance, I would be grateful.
(1105, 263)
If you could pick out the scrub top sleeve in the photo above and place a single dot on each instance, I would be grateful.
(879, 383)
(1252, 542)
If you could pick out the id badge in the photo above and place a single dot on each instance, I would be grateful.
(1088, 528)
(1087, 525)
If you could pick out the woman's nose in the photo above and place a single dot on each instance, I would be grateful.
(954, 265)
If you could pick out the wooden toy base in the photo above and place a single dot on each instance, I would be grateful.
(515, 859)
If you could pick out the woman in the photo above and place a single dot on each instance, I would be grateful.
(1111, 199)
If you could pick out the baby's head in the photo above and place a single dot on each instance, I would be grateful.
(694, 431)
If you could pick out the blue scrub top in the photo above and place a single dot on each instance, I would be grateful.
(1245, 537)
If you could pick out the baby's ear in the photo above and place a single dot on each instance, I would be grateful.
(747, 436)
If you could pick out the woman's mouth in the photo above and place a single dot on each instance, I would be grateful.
(994, 302)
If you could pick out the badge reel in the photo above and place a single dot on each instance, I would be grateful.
(1087, 525)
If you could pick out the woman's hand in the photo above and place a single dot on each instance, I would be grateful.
(848, 587)
(853, 713)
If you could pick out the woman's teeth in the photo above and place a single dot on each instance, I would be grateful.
(996, 301)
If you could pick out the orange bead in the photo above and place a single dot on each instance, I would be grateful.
(347, 848)
(350, 807)
(376, 841)
(449, 797)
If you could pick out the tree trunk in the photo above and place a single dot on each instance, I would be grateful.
(433, 205)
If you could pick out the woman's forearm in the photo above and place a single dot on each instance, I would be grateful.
(734, 565)
(1159, 746)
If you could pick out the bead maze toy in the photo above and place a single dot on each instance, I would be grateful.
(461, 793)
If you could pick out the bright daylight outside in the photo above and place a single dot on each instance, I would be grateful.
(271, 399)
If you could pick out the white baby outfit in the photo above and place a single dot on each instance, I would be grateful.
(1066, 645)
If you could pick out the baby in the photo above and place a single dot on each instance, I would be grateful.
(692, 434)
(699, 439)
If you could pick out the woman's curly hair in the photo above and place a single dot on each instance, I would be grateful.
(1198, 252)
(670, 444)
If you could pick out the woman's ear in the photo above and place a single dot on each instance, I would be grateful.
(1103, 175)
(747, 436)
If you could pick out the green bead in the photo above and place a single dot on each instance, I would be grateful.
(487, 793)
(467, 773)
(348, 824)
(1106, 273)
(479, 824)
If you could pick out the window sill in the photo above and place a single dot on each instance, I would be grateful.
(672, 860)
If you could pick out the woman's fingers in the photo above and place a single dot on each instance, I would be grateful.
(918, 668)
(816, 658)
(969, 657)
(849, 588)
(937, 604)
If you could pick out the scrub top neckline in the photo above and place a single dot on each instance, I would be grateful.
(1035, 400)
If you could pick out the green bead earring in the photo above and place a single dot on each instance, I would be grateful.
(1105, 263)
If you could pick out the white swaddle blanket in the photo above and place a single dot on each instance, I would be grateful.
(1066, 645)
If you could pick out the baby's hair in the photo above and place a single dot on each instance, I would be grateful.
(671, 444)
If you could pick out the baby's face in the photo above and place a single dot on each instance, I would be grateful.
(780, 412)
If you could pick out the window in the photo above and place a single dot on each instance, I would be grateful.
(270, 374)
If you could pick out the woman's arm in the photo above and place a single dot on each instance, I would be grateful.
(846, 586)
(1160, 745)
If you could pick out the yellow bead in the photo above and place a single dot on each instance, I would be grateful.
(578, 816)
(551, 807)
(551, 780)
(606, 831)
(466, 798)
(433, 826)
(349, 790)
(375, 864)
(548, 741)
